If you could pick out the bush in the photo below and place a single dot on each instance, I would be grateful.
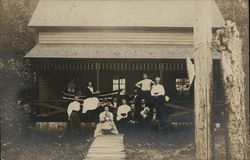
(16, 80)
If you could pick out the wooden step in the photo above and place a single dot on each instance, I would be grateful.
(91, 158)
(111, 150)
(106, 155)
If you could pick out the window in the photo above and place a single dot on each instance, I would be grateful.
(182, 86)
(119, 84)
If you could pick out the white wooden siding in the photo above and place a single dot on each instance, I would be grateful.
(115, 38)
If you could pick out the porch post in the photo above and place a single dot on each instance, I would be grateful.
(161, 72)
(161, 75)
(97, 76)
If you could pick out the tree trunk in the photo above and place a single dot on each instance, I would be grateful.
(233, 75)
(203, 81)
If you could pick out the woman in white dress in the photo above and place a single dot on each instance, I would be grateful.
(106, 123)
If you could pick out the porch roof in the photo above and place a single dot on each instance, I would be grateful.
(112, 51)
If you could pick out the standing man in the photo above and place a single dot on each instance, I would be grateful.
(158, 91)
(145, 86)
(135, 97)
(158, 98)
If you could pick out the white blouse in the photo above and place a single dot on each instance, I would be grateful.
(123, 109)
(73, 106)
(157, 90)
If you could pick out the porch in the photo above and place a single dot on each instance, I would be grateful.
(111, 67)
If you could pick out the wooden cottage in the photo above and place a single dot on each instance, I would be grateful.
(112, 42)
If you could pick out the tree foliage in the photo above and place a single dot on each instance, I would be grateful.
(16, 39)
(15, 35)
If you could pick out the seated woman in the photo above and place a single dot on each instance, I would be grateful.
(106, 123)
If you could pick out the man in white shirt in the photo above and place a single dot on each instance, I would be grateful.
(122, 116)
(145, 86)
(157, 93)
(158, 98)
(122, 112)
(157, 89)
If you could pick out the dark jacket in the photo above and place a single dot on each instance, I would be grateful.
(88, 93)
(133, 115)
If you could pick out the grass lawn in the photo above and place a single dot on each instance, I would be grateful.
(46, 147)
(139, 145)
(171, 145)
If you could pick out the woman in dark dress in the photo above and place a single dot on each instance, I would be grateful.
(74, 124)
(89, 90)
(74, 121)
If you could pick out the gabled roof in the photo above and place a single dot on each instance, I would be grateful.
(119, 13)
(113, 51)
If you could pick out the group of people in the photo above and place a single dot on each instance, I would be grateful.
(146, 109)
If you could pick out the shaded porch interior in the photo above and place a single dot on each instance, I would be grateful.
(108, 75)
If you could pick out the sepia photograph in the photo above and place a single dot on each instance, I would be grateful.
(124, 80)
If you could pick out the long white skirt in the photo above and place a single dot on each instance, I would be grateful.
(107, 125)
